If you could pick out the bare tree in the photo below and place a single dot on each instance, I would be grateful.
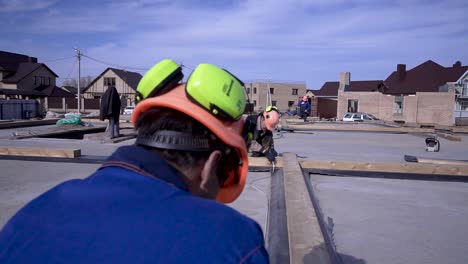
(85, 81)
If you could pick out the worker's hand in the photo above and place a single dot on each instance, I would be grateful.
(271, 155)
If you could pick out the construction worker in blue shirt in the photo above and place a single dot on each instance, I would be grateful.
(159, 200)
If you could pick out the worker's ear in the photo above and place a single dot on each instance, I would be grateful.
(209, 184)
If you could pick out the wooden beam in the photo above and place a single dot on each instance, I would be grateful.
(40, 152)
(448, 136)
(409, 168)
(304, 233)
(25, 123)
(357, 127)
(263, 162)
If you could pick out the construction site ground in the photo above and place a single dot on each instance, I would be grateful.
(375, 220)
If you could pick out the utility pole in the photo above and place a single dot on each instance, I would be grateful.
(78, 55)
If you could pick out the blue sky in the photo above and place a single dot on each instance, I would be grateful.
(299, 40)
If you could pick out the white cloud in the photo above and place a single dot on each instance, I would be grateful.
(23, 5)
(311, 37)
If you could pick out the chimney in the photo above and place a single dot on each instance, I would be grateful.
(457, 64)
(32, 59)
(401, 71)
(345, 80)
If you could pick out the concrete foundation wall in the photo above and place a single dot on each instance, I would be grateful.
(422, 108)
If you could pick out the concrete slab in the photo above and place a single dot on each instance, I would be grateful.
(368, 147)
(20, 182)
(254, 200)
(396, 221)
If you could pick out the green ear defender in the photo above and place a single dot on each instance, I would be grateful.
(161, 78)
(217, 90)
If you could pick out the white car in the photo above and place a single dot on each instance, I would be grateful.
(128, 110)
(358, 117)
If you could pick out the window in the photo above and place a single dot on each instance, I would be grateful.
(272, 90)
(255, 90)
(108, 81)
(398, 105)
(357, 117)
(465, 88)
(463, 106)
(353, 106)
(348, 115)
(290, 103)
(255, 102)
(248, 90)
(273, 103)
(294, 91)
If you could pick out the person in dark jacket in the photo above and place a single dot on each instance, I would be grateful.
(110, 109)
(304, 108)
(262, 144)
(157, 201)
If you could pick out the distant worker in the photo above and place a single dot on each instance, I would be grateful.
(260, 133)
(304, 108)
(154, 201)
(110, 109)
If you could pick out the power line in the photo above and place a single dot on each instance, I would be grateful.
(72, 68)
(65, 58)
(114, 65)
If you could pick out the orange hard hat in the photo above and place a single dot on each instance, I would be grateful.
(229, 132)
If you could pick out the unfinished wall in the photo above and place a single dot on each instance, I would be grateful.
(436, 108)
(422, 108)
(283, 93)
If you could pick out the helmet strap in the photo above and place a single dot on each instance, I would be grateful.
(175, 140)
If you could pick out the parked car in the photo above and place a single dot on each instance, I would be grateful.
(358, 117)
(128, 110)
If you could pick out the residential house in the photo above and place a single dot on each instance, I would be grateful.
(283, 95)
(126, 83)
(327, 97)
(427, 94)
(22, 77)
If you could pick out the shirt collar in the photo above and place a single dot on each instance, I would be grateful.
(148, 162)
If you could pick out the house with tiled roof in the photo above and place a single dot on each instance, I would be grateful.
(21, 76)
(426, 94)
(126, 83)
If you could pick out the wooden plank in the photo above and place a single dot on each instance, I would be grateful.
(40, 152)
(448, 137)
(360, 128)
(25, 123)
(409, 168)
(304, 233)
(460, 129)
(263, 162)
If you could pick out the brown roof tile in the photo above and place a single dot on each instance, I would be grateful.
(426, 77)
(331, 88)
(24, 69)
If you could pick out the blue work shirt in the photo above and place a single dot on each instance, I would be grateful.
(134, 209)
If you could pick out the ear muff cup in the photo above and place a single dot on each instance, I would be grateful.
(160, 79)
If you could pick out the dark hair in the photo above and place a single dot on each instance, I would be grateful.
(168, 119)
